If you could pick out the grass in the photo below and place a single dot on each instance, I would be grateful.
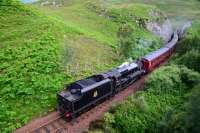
(33, 51)
(178, 11)
(89, 23)
(88, 57)
(42, 51)
(87, 17)
(30, 69)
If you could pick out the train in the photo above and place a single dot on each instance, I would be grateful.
(86, 93)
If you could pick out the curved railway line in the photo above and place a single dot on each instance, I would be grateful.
(55, 123)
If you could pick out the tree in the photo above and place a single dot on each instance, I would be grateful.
(126, 40)
(193, 111)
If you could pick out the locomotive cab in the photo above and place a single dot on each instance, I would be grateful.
(81, 94)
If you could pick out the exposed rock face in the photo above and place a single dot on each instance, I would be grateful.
(164, 30)
(56, 3)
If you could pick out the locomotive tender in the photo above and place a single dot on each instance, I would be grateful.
(82, 94)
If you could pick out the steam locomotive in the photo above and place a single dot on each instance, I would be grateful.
(82, 94)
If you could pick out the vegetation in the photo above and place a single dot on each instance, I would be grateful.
(133, 39)
(133, 44)
(186, 118)
(188, 52)
(30, 69)
(146, 109)
(105, 21)
(42, 51)
(178, 11)
(170, 100)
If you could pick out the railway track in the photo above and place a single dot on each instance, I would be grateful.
(54, 126)
(54, 123)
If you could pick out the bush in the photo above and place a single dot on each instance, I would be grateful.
(126, 42)
(189, 77)
(192, 115)
(9, 2)
(189, 49)
(144, 111)
(130, 45)
(134, 40)
(162, 108)
(191, 59)
(30, 65)
(184, 118)
(166, 79)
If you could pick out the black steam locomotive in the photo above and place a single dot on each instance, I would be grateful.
(84, 93)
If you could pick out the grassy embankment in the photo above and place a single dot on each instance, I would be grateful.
(30, 69)
(170, 101)
(40, 53)
(178, 11)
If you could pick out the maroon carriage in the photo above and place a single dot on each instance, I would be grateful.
(153, 59)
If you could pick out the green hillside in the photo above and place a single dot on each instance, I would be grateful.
(102, 23)
(41, 49)
(178, 11)
(30, 69)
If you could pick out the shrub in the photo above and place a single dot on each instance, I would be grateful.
(189, 49)
(184, 118)
(30, 65)
(126, 42)
(144, 111)
(191, 59)
(192, 115)
(134, 40)
(162, 108)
